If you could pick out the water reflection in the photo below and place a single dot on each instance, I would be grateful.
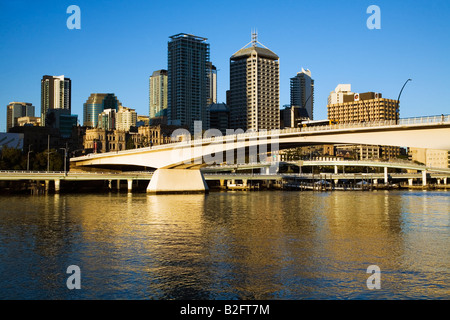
(235, 245)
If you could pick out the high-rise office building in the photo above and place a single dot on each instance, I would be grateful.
(212, 83)
(55, 94)
(125, 118)
(254, 98)
(96, 104)
(158, 96)
(16, 110)
(349, 107)
(302, 91)
(362, 107)
(107, 119)
(188, 67)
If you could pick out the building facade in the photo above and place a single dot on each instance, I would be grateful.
(16, 110)
(363, 107)
(302, 92)
(430, 157)
(158, 95)
(102, 140)
(125, 118)
(337, 96)
(188, 68)
(219, 117)
(95, 105)
(107, 119)
(254, 88)
(292, 116)
(55, 94)
(212, 84)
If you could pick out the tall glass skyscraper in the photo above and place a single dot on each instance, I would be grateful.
(188, 83)
(302, 91)
(55, 94)
(16, 110)
(158, 95)
(95, 105)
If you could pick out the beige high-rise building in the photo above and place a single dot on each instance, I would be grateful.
(125, 119)
(349, 107)
(158, 94)
(254, 88)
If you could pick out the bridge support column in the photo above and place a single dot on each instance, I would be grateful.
(130, 185)
(57, 185)
(445, 180)
(109, 184)
(118, 185)
(386, 178)
(47, 185)
(424, 177)
(177, 181)
(410, 182)
(336, 170)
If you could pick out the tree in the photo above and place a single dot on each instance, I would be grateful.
(11, 159)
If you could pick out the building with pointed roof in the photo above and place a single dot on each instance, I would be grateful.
(254, 95)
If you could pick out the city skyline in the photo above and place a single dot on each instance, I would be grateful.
(406, 46)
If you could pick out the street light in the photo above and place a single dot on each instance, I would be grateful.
(28, 157)
(398, 102)
(65, 158)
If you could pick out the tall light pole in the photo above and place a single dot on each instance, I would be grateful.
(28, 157)
(48, 154)
(398, 102)
(65, 158)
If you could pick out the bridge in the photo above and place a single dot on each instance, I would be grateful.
(171, 161)
(226, 179)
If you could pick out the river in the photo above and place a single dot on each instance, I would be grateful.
(226, 245)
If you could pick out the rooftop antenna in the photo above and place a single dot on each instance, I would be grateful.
(254, 41)
(254, 37)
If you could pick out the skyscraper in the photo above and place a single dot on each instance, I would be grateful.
(302, 91)
(254, 88)
(188, 65)
(212, 84)
(158, 95)
(125, 119)
(16, 110)
(96, 104)
(55, 94)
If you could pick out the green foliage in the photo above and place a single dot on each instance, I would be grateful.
(11, 159)
(15, 159)
(39, 161)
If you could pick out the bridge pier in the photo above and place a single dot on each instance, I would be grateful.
(424, 177)
(57, 185)
(130, 185)
(386, 178)
(177, 181)
(47, 186)
(410, 182)
(336, 171)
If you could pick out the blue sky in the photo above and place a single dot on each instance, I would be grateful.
(121, 43)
